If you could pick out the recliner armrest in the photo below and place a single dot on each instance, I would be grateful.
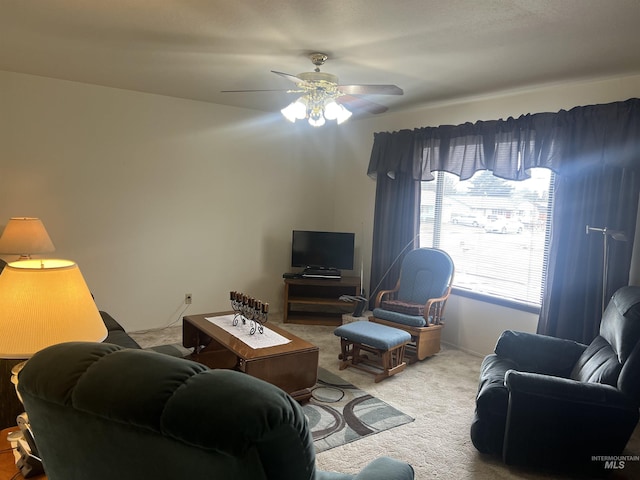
(566, 390)
(539, 353)
(560, 423)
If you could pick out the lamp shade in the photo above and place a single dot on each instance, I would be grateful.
(24, 236)
(42, 303)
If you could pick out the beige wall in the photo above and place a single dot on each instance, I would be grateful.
(155, 197)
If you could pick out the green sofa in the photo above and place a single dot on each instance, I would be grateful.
(101, 411)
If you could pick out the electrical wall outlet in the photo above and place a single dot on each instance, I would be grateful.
(187, 299)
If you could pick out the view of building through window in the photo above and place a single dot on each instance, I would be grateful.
(495, 231)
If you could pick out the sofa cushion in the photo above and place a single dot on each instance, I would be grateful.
(598, 364)
(403, 307)
(402, 318)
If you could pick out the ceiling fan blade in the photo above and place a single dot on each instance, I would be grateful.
(288, 76)
(360, 104)
(245, 91)
(371, 89)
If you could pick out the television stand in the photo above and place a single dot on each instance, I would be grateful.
(316, 301)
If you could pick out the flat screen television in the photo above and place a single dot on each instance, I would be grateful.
(324, 250)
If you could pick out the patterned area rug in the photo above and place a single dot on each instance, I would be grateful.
(340, 413)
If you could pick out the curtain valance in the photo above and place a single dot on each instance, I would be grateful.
(583, 137)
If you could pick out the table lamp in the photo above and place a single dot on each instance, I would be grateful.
(42, 302)
(25, 236)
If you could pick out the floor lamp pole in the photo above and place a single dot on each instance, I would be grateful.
(605, 266)
(606, 233)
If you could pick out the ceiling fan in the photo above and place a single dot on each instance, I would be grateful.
(322, 97)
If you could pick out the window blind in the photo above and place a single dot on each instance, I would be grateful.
(495, 230)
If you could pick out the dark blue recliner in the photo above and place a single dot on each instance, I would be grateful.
(101, 412)
(548, 402)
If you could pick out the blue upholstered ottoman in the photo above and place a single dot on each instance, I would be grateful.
(387, 343)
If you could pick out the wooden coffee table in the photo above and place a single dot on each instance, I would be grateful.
(293, 366)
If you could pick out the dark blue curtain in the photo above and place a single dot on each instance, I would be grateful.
(605, 197)
(395, 229)
(396, 217)
(594, 151)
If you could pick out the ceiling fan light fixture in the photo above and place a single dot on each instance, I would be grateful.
(331, 110)
(289, 112)
(343, 115)
(316, 120)
(296, 110)
(300, 106)
(316, 111)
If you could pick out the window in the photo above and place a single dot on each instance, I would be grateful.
(495, 230)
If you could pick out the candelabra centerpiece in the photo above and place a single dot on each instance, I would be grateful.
(247, 308)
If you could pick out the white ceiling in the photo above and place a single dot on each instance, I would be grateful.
(436, 50)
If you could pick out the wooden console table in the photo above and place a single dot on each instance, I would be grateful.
(293, 366)
(316, 301)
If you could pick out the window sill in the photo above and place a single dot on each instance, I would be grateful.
(504, 302)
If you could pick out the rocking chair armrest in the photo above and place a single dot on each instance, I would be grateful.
(431, 301)
(382, 293)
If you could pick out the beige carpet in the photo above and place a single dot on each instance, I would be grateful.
(438, 392)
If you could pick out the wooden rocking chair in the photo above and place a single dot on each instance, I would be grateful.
(416, 304)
